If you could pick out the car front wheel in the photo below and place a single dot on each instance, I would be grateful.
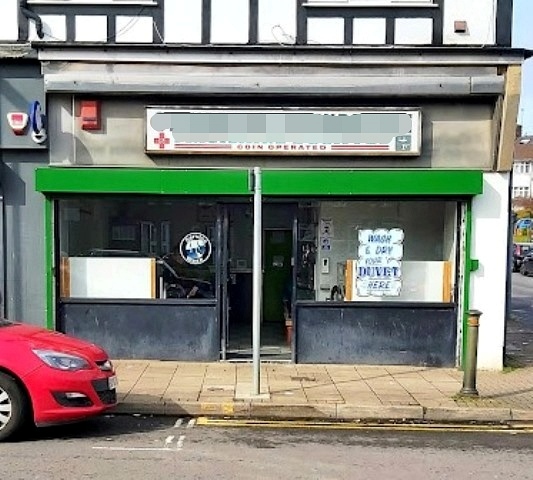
(13, 407)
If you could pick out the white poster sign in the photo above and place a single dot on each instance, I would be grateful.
(379, 266)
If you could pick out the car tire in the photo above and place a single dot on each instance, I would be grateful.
(14, 411)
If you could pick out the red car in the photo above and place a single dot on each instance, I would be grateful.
(47, 378)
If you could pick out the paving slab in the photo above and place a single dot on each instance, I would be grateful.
(323, 392)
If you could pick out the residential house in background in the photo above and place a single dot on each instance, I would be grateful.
(378, 135)
(523, 166)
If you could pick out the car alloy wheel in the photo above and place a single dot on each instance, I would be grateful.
(13, 407)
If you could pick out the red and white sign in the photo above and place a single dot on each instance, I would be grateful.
(284, 131)
(18, 121)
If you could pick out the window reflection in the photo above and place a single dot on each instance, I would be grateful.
(137, 248)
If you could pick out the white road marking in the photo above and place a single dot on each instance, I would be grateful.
(136, 449)
(168, 442)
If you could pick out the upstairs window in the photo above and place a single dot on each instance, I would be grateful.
(369, 3)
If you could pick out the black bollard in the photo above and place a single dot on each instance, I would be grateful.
(470, 367)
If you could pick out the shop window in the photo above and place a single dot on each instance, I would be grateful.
(149, 248)
(377, 251)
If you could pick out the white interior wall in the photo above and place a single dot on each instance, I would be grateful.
(422, 223)
(487, 286)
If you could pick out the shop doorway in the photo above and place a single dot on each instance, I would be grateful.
(238, 290)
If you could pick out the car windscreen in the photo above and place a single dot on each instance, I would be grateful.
(4, 322)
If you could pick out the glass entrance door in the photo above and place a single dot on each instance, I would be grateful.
(237, 270)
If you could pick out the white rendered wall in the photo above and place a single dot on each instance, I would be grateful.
(276, 21)
(9, 27)
(413, 31)
(54, 29)
(183, 21)
(229, 21)
(369, 31)
(325, 31)
(480, 16)
(91, 28)
(487, 284)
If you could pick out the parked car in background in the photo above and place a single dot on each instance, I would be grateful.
(520, 250)
(47, 378)
(526, 267)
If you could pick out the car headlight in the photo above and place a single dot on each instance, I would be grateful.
(62, 361)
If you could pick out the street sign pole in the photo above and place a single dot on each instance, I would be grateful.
(257, 282)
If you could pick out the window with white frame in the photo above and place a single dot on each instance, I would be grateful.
(370, 3)
(522, 167)
(521, 192)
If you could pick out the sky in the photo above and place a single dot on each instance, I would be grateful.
(523, 38)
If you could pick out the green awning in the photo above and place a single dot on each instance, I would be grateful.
(274, 182)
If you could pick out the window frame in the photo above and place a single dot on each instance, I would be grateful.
(370, 3)
(124, 3)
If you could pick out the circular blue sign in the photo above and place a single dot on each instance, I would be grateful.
(195, 248)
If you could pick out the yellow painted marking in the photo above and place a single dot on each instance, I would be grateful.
(216, 422)
(228, 408)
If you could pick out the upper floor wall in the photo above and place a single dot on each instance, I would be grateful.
(259, 22)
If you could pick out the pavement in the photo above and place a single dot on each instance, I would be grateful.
(349, 393)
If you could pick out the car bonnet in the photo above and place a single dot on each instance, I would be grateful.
(41, 338)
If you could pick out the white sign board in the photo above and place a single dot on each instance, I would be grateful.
(112, 277)
(283, 131)
(379, 266)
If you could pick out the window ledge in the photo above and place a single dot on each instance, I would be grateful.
(93, 2)
(378, 4)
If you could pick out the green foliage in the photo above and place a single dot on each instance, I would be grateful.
(526, 213)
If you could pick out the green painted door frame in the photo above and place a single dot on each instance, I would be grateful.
(49, 241)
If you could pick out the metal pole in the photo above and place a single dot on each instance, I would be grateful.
(470, 367)
(257, 282)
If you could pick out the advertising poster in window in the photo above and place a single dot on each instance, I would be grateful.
(379, 265)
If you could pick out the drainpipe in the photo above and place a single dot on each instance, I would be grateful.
(31, 15)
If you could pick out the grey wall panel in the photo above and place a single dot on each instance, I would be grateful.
(23, 239)
(454, 135)
(376, 335)
(163, 331)
(19, 86)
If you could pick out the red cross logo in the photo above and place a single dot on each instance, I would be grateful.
(162, 141)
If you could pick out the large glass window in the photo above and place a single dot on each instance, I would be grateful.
(137, 247)
(377, 251)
